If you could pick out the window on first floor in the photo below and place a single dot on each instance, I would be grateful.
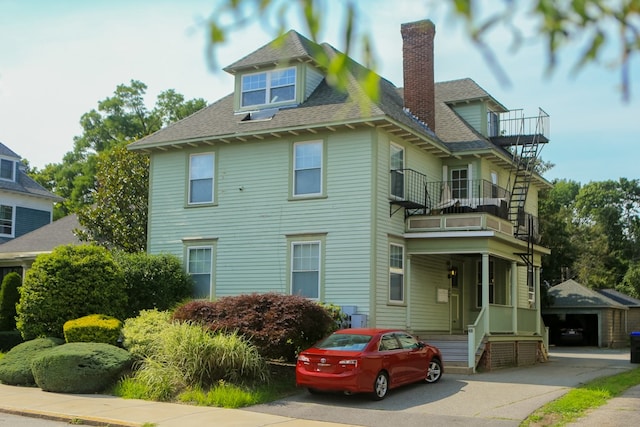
(305, 269)
(200, 268)
(491, 284)
(396, 273)
(6, 220)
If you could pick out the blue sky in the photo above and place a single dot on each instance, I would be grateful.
(58, 59)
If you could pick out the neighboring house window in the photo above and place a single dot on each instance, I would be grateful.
(7, 169)
(6, 220)
(491, 284)
(200, 268)
(307, 168)
(201, 170)
(269, 87)
(397, 172)
(493, 126)
(396, 273)
(305, 269)
(459, 183)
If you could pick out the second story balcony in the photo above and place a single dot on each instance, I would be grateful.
(456, 205)
(513, 128)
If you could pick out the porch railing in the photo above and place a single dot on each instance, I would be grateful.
(513, 123)
(468, 196)
(475, 335)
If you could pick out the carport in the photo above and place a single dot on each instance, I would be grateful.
(599, 321)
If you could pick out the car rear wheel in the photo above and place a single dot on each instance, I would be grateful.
(434, 373)
(313, 390)
(380, 386)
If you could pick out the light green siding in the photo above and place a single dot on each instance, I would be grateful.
(254, 215)
(474, 114)
(428, 274)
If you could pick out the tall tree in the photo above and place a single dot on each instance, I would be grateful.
(120, 118)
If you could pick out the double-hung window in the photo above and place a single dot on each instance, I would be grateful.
(396, 273)
(307, 168)
(305, 269)
(6, 220)
(459, 183)
(201, 172)
(200, 268)
(7, 169)
(270, 87)
(397, 172)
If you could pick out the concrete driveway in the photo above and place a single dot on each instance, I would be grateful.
(503, 397)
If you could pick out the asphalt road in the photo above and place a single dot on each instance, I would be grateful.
(9, 420)
(500, 398)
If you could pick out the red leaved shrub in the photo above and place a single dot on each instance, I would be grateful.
(279, 325)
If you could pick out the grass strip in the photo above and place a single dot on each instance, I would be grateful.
(578, 401)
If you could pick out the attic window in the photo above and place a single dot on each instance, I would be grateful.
(7, 169)
(269, 87)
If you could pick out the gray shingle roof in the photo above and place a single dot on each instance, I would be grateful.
(42, 240)
(24, 184)
(328, 106)
(571, 294)
(620, 297)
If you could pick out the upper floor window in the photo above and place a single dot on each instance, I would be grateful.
(305, 269)
(493, 124)
(396, 273)
(7, 169)
(397, 171)
(269, 87)
(201, 170)
(6, 220)
(307, 168)
(459, 183)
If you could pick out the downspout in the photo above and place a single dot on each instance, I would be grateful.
(485, 292)
(514, 297)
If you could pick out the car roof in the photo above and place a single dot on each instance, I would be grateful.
(367, 331)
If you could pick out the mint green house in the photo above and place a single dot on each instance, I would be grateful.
(416, 211)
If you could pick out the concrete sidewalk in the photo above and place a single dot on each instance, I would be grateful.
(503, 397)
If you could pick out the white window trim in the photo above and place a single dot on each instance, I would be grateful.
(291, 271)
(295, 169)
(269, 87)
(394, 270)
(189, 248)
(13, 222)
(213, 180)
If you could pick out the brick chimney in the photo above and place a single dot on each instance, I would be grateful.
(417, 55)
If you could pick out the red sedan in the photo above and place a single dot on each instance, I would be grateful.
(367, 361)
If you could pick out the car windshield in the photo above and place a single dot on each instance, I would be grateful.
(345, 342)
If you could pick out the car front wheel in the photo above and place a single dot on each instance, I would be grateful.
(380, 386)
(434, 373)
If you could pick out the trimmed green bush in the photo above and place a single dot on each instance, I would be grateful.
(70, 282)
(15, 366)
(140, 334)
(153, 281)
(9, 296)
(93, 328)
(9, 339)
(279, 325)
(80, 367)
(187, 355)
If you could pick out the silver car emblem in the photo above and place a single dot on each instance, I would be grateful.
(323, 360)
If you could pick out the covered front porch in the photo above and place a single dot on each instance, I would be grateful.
(486, 310)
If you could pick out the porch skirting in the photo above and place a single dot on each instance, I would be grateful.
(510, 353)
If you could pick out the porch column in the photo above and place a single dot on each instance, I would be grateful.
(536, 283)
(407, 297)
(514, 296)
(485, 291)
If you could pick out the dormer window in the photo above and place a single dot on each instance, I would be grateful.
(269, 87)
(7, 169)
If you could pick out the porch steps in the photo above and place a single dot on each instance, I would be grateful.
(454, 352)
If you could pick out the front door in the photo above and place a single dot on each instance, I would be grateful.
(455, 301)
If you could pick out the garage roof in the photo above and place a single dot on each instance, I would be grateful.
(572, 294)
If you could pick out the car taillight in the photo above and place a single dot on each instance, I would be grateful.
(349, 363)
(302, 358)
